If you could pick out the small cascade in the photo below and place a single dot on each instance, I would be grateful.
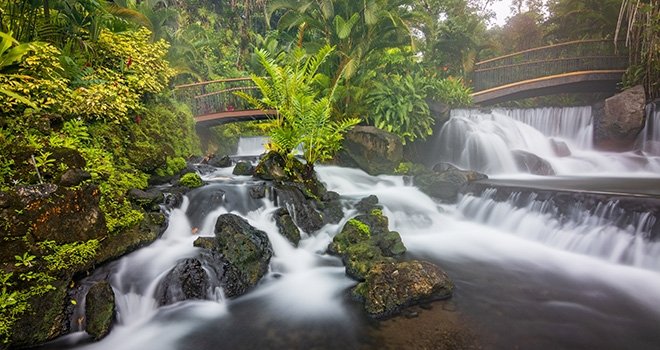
(251, 146)
(607, 231)
(649, 138)
(541, 141)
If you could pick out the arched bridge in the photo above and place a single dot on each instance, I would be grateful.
(576, 66)
(214, 102)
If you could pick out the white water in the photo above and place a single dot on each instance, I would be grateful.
(251, 146)
(486, 142)
(524, 272)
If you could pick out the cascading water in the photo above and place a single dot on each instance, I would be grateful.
(526, 276)
(498, 142)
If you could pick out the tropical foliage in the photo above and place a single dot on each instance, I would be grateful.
(293, 87)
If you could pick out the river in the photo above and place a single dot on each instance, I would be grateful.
(526, 278)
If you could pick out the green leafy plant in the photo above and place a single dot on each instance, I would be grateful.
(292, 88)
(398, 105)
(191, 180)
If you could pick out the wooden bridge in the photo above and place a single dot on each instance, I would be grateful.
(576, 66)
(214, 102)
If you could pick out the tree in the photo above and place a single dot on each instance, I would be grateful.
(642, 22)
(582, 19)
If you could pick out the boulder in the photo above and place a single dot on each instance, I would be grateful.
(371, 149)
(560, 148)
(445, 181)
(258, 191)
(99, 309)
(531, 163)
(286, 226)
(391, 286)
(364, 241)
(246, 250)
(367, 204)
(220, 162)
(187, 280)
(149, 200)
(74, 177)
(331, 208)
(243, 168)
(618, 120)
(304, 210)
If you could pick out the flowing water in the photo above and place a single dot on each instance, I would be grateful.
(526, 277)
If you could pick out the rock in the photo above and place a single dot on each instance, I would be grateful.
(243, 168)
(619, 120)
(392, 286)
(271, 167)
(258, 191)
(332, 209)
(99, 309)
(74, 177)
(560, 148)
(373, 150)
(286, 226)
(367, 204)
(149, 200)
(445, 181)
(364, 241)
(532, 163)
(187, 280)
(304, 210)
(68, 156)
(220, 162)
(244, 247)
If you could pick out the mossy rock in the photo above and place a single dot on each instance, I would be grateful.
(99, 309)
(392, 286)
(191, 180)
(243, 246)
(243, 169)
(353, 232)
(286, 226)
(360, 257)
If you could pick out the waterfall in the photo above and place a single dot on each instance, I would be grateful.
(649, 138)
(508, 142)
(251, 146)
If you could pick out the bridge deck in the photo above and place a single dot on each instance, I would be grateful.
(234, 116)
(583, 81)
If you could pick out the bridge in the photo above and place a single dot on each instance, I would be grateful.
(214, 102)
(576, 66)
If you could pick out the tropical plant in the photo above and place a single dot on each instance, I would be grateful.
(293, 87)
(398, 105)
(581, 19)
(642, 20)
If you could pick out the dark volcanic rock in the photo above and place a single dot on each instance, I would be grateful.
(367, 204)
(286, 226)
(305, 212)
(619, 120)
(445, 184)
(187, 280)
(149, 200)
(258, 191)
(220, 162)
(531, 163)
(74, 177)
(99, 309)
(373, 150)
(333, 211)
(243, 168)
(245, 248)
(391, 286)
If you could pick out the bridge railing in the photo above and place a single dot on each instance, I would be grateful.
(575, 56)
(216, 96)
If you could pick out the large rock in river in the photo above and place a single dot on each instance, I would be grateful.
(391, 286)
(371, 149)
(619, 120)
(531, 163)
(245, 253)
(445, 181)
(99, 309)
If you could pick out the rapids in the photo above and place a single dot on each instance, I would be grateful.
(525, 277)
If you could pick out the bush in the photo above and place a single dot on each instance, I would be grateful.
(191, 180)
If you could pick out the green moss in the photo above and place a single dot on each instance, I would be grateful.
(360, 257)
(361, 227)
(191, 180)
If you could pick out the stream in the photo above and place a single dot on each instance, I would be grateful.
(526, 278)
